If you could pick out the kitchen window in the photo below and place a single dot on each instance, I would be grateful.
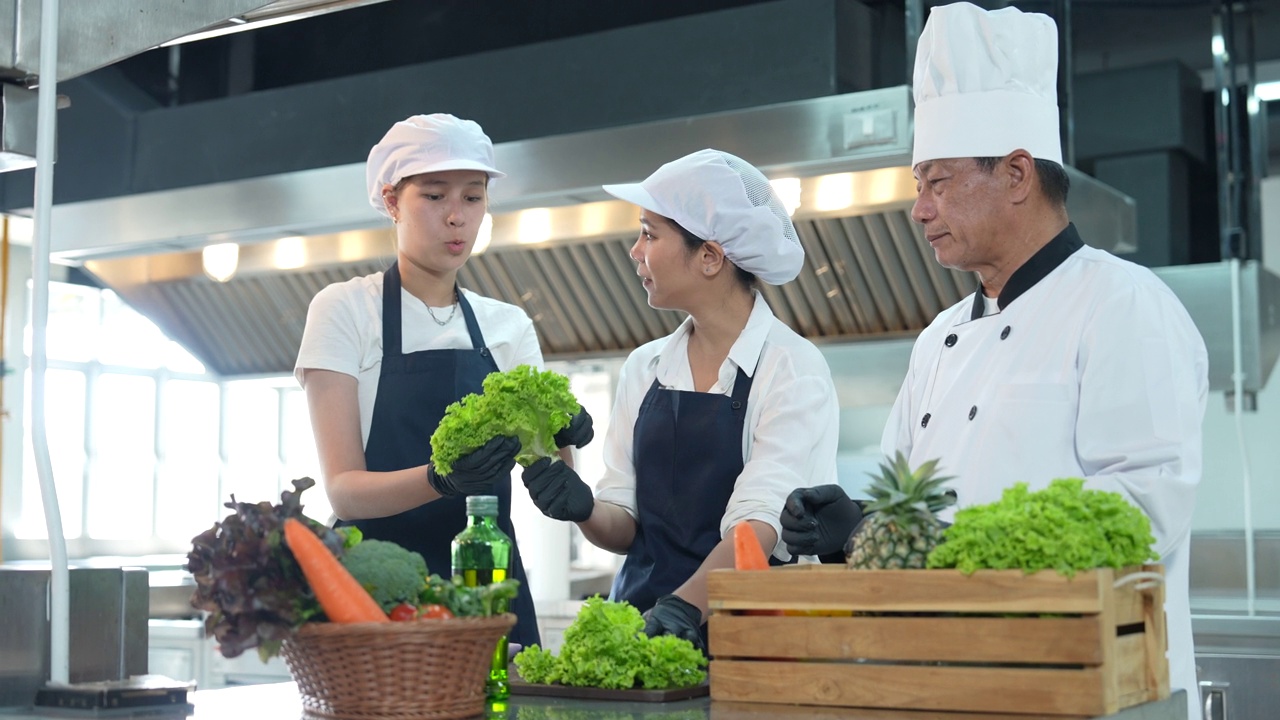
(146, 445)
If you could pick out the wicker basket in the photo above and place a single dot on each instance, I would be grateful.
(419, 670)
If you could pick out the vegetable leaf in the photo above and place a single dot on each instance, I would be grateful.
(248, 581)
(523, 402)
(1062, 527)
(606, 647)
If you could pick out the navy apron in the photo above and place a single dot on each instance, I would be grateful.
(688, 456)
(413, 391)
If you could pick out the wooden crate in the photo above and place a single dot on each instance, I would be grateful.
(937, 640)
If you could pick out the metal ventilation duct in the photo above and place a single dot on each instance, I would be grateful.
(94, 34)
(558, 250)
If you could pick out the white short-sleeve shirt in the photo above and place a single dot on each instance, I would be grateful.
(791, 430)
(344, 334)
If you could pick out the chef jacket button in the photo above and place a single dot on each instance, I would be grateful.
(973, 411)
(1005, 332)
(924, 422)
(951, 340)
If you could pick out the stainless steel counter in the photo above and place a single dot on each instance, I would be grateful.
(281, 702)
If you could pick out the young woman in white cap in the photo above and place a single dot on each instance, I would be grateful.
(383, 355)
(716, 423)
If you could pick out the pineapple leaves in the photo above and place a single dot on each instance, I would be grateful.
(902, 527)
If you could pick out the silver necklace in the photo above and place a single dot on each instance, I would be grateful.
(452, 312)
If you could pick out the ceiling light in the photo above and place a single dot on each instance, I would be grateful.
(535, 226)
(835, 192)
(788, 191)
(485, 236)
(289, 253)
(1267, 90)
(220, 260)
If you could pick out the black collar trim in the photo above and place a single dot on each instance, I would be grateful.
(1046, 259)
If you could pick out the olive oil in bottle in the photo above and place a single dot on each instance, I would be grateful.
(482, 556)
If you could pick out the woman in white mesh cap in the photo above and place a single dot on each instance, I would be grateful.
(383, 355)
(716, 423)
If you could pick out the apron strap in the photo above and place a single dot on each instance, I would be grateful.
(741, 389)
(473, 327)
(391, 311)
(391, 317)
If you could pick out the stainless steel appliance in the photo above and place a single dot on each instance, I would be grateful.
(109, 608)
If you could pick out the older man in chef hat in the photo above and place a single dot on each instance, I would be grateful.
(1067, 361)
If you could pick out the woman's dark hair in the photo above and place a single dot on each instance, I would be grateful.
(693, 242)
(1054, 181)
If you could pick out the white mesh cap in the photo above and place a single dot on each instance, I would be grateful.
(986, 84)
(426, 143)
(717, 196)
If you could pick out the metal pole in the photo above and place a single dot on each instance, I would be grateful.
(1222, 133)
(1066, 73)
(914, 26)
(46, 123)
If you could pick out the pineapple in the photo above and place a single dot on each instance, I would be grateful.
(903, 528)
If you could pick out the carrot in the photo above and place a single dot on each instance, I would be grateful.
(340, 595)
(747, 554)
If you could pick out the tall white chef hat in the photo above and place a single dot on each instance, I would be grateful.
(721, 197)
(426, 143)
(986, 84)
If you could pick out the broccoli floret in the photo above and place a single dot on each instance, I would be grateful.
(390, 573)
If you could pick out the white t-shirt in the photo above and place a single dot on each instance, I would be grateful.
(344, 334)
(791, 430)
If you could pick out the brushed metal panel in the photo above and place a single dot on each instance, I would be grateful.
(97, 606)
(108, 633)
(1247, 683)
(1205, 290)
(24, 634)
(94, 34)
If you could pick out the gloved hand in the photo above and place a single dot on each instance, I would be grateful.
(578, 432)
(673, 615)
(475, 472)
(818, 520)
(558, 491)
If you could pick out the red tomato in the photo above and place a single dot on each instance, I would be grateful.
(403, 611)
(434, 612)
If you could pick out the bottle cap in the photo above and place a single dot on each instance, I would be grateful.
(486, 505)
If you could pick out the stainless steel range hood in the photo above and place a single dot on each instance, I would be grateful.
(92, 35)
(559, 246)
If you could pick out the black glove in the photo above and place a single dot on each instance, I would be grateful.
(475, 472)
(578, 432)
(673, 615)
(558, 491)
(818, 520)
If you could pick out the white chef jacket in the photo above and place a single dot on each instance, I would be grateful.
(791, 430)
(344, 334)
(1094, 370)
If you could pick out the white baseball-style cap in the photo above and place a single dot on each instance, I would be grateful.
(721, 197)
(985, 84)
(426, 143)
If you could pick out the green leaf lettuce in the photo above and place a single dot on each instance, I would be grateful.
(1063, 527)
